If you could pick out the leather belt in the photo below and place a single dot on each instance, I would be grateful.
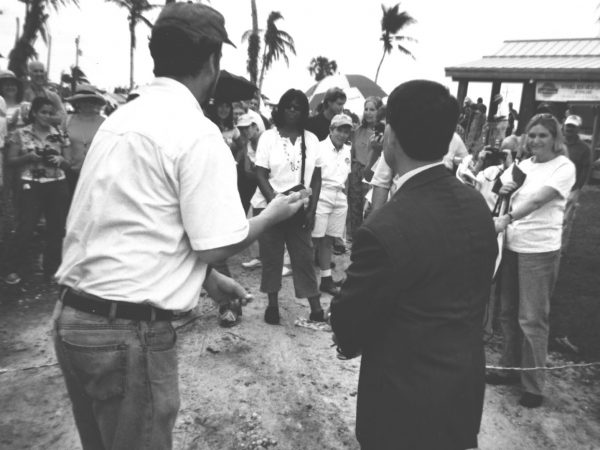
(121, 310)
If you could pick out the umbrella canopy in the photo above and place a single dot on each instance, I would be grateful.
(356, 87)
(231, 88)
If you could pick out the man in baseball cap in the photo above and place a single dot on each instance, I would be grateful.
(332, 207)
(169, 207)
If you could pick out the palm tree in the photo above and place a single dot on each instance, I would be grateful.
(392, 22)
(276, 44)
(34, 25)
(75, 77)
(135, 8)
(321, 67)
(253, 37)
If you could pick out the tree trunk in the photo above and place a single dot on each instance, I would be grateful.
(131, 54)
(262, 72)
(253, 45)
(379, 67)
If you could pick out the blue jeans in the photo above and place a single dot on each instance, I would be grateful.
(121, 376)
(526, 286)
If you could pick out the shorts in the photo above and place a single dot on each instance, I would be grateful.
(330, 219)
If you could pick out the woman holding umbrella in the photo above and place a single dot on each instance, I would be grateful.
(531, 255)
(287, 159)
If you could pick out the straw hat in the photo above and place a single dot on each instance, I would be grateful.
(86, 92)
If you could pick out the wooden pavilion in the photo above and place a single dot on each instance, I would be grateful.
(564, 73)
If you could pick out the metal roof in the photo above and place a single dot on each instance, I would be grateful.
(540, 59)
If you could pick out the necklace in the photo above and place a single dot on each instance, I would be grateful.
(291, 156)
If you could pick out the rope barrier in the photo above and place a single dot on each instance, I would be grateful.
(524, 369)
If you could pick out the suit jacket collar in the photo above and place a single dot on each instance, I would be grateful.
(427, 176)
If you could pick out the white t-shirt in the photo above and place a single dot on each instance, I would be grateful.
(456, 149)
(284, 160)
(541, 230)
(335, 164)
(154, 187)
(383, 175)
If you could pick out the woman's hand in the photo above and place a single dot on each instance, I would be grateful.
(501, 223)
(33, 157)
(57, 160)
(508, 188)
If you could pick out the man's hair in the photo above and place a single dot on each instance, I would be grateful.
(286, 99)
(176, 55)
(423, 115)
(333, 94)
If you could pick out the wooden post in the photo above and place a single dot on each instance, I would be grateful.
(527, 108)
(595, 132)
(493, 109)
(463, 86)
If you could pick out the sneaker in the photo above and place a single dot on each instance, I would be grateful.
(12, 278)
(252, 264)
(228, 316)
(286, 271)
(328, 286)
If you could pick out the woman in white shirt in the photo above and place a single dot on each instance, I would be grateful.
(531, 255)
(287, 158)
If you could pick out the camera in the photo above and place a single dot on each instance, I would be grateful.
(494, 157)
(46, 153)
(379, 127)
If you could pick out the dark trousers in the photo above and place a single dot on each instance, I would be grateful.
(298, 241)
(121, 376)
(50, 199)
(246, 187)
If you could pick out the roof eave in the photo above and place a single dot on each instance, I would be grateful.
(521, 75)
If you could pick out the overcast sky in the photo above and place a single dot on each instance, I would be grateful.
(448, 33)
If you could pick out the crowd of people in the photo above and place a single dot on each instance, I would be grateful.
(158, 199)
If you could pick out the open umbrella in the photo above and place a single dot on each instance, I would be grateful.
(356, 87)
(231, 88)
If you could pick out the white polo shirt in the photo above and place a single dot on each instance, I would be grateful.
(283, 159)
(335, 164)
(157, 183)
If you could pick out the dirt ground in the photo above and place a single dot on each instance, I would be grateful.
(281, 387)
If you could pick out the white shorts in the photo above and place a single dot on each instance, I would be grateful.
(331, 214)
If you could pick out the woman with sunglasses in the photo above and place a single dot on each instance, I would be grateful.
(531, 256)
(287, 158)
(37, 151)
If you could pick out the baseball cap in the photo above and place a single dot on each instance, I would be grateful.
(245, 120)
(194, 19)
(339, 120)
(573, 120)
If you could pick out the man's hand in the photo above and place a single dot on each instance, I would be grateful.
(285, 206)
(225, 290)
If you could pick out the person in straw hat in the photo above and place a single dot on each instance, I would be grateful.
(81, 127)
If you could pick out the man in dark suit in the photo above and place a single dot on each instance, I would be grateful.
(415, 294)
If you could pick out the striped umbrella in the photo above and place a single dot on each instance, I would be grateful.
(356, 87)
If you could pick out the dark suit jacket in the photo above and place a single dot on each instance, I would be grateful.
(413, 304)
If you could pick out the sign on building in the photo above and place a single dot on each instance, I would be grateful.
(565, 91)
